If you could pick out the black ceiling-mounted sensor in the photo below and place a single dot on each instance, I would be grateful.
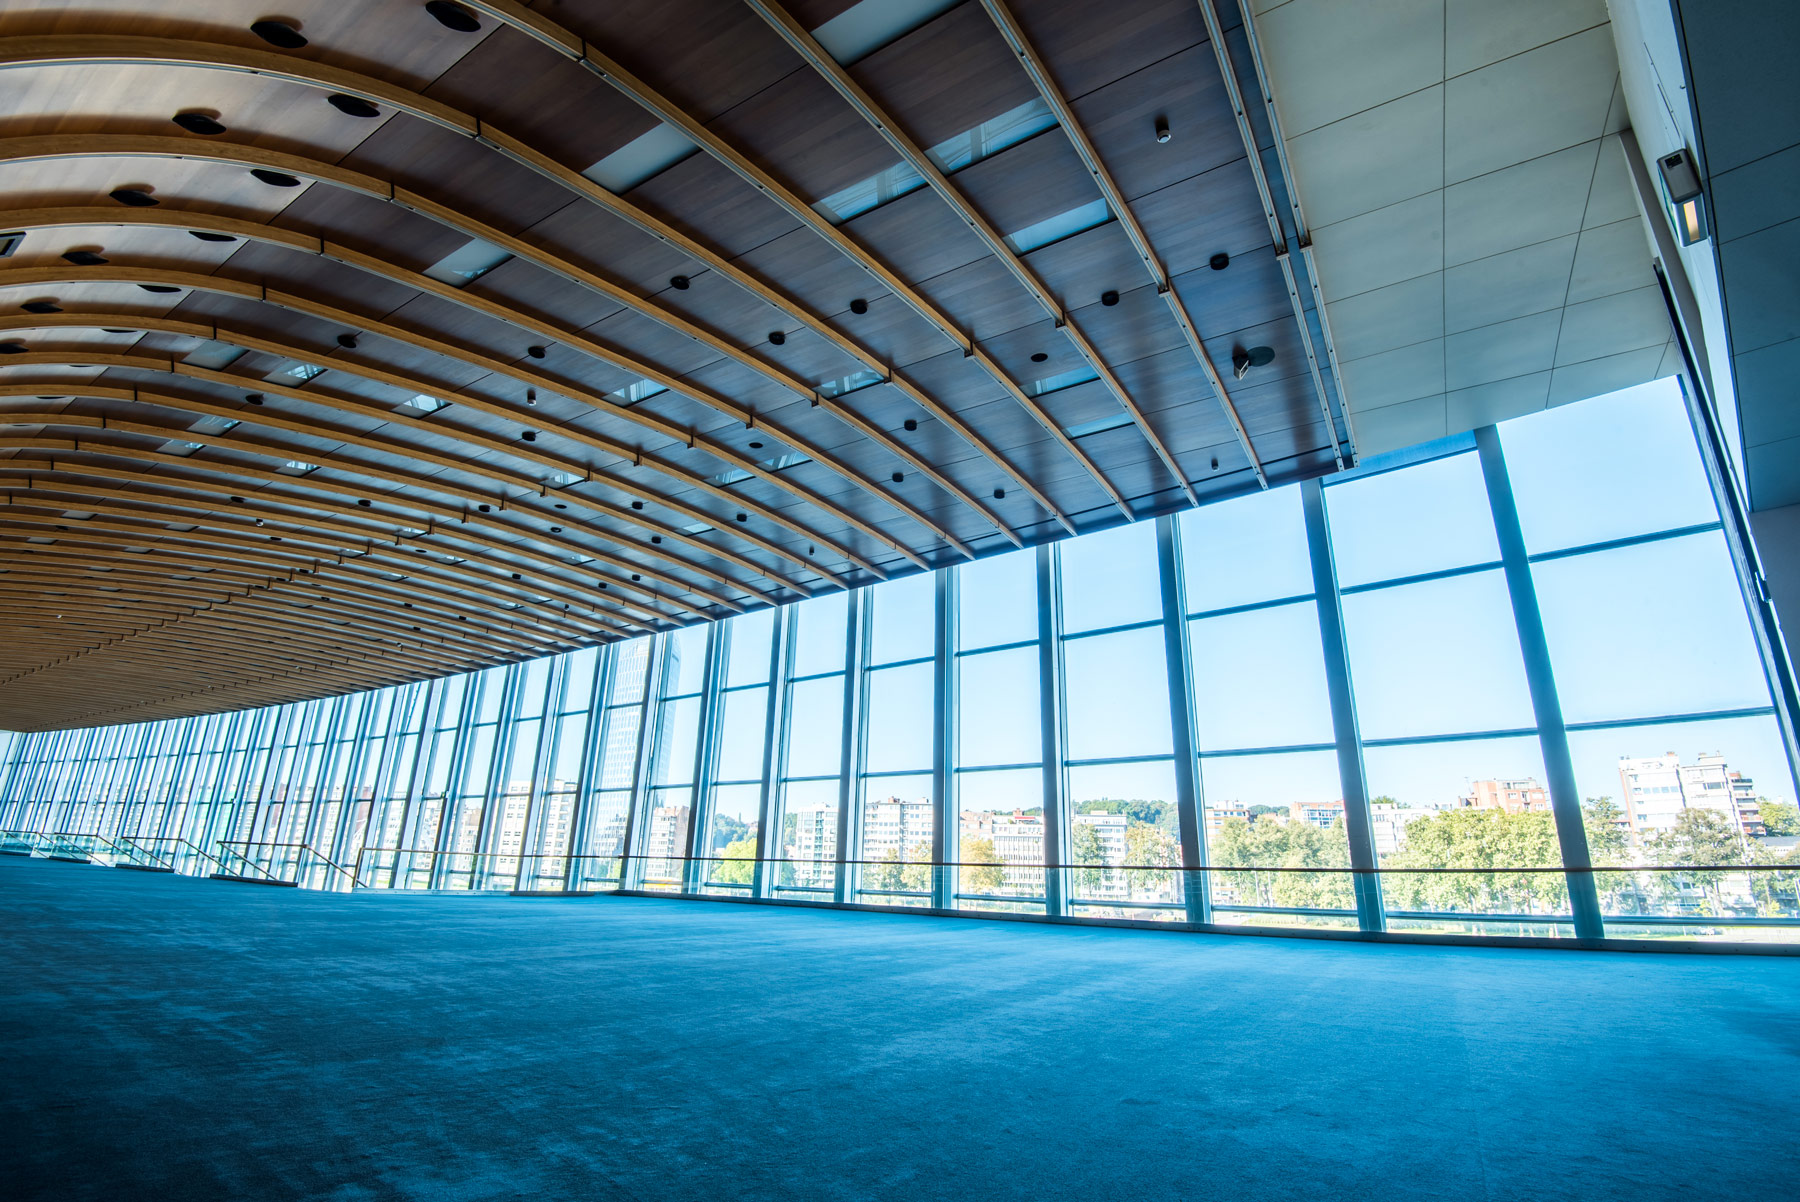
(42, 306)
(859, 306)
(528, 435)
(347, 341)
(253, 398)
(83, 258)
(743, 517)
(1162, 130)
(999, 494)
(1219, 262)
(1040, 357)
(637, 504)
(275, 179)
(776, 338)
(899, 477)
(196, 122)
(209, 236)
(166, 289)
(1215, 463)
(453, 16)
(137, 198)
(1109, 298)
(278, 33)
(536, 352)
(352, 106)
(911, 423)
(679, 283)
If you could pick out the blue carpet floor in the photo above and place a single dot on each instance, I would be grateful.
(175, 1038)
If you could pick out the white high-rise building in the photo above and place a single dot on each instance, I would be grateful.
(1656, 789)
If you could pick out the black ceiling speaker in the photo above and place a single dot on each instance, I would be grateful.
(776, 338)
(899, 477)
(209, 236)
(12, 348)
(1219, 262)
(352, 106)
(136, 198)
(83, 258)
(679, 283)
(999, 494)
(536, 352)
(859, 306)
(275, 179)
(453, 16)
(164, 288)
(196, 122)
(42, 306)
(1109, 298)
(911, 423)
(278, 33)
(756, 446)
(528, 435)
(743, 517)
(347, 341)
(1040, 357)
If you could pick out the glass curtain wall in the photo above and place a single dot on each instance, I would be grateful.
(1507, 684)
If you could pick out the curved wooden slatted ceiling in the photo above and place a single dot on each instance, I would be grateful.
(258, 443)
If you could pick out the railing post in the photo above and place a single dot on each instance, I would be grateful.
(1553, 737)
(1370, 913)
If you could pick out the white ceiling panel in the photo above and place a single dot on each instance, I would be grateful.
(1578, 381)
(1385, 318)
(1503, 287)
(1398, 375)
(1376, 249)
(1501, 351)
(1382, 155)
(1624, 321)
(1479, 32)
(1611, 258)
(1530, 105)
(1334, 59)
(1529, 202)
(1502, 400)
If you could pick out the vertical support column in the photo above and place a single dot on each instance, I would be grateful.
(631, 870)
(1370, 913)
(1051, 707)
(706, 746)
(593, 738)
(1553, 737)
(943, 743)
(1196, 886)
(850, 750)
(768, 834)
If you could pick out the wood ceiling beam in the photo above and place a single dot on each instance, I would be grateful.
(259, 416)
(33, 276)
(590, 57)
(89, 48)
(29, 219)
(1140, 241)
(883, 123)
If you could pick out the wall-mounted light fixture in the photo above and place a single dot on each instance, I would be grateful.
(1684, 196)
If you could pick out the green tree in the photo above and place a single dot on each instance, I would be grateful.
(739, 863)
(1609, 842)
(1779, 817)
(982, 880)
(1268, 843)
(1485, 843)
(1698, 837)
(1144, 845)
(1089, 857)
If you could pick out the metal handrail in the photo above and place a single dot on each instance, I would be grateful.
(304, 847)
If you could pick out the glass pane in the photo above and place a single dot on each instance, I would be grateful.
(685, 669)
(1110, 578)
(896, 833)
(997, 717)
(1118, 695)
(630, 663)
(677, 740)
(731, 835)
(751, 635)
(903, 619)
(996, 601)
(1411, 520)
(1276, 811)
(578, 679)
(1610, 467)
(819, 635)
(1259, 679)
(1437, 658)
(1649, 630)
(1125, 838)
(1684, 794)
(1000, 833)
(618, 757)
(570, 742)
(534, 683)
(815, 727)
(809, 817)
(742, 724)
(899, 709)
(1245, 550)
(666, 833)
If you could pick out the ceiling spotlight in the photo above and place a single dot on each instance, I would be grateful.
(1219, 262)
(453, 16)
(137, 198)
(531, 396)
(1243, 360)
(911, 423)
(1162, 130)
(1109, 298)
(679, 283)
(278, 33)
(196, 122)
(347, 341)
(42, 306)
(352, 106)
(776, 337)
(1040, 357)
(275, 179)
(1215, 463)
(83, 258)
(209, 236)
(859, 306)
(536, 352)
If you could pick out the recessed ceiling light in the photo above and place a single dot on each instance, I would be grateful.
(42, 306)
(453, 16)
(196, 122)
(756, 446)
(1109, 298)
(1219, 262)
(209, 236)
(83, 258)
(352, 106)
(859, 305)
(137, 198)
(278, 33)
(275, 179)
